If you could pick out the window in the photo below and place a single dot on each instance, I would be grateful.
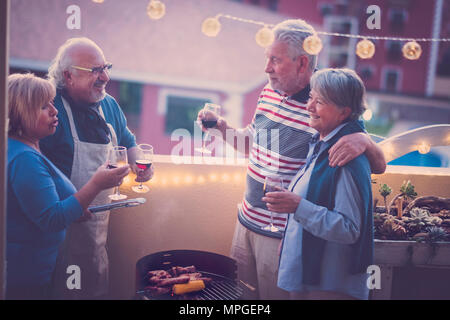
(130, 100)
(339, 51)
(273, 5)
(181, 112)
(130, 97)
(397, 19)
(394, 50)
(325, 9)
(444, 65)
(391, 80)
(366, 72)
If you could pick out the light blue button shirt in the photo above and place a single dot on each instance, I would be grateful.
(340, 227)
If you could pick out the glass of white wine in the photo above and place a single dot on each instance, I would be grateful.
(272, 183)
(117, 157)
(144, 159)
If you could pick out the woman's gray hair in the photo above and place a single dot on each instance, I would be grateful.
(341, 87)
(63, 60)
(294, 32)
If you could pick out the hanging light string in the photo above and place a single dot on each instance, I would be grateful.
(357, 36)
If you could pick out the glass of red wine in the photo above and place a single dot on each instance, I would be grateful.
(117, 157)
(272, 183)
(211, 114)
(144, 160)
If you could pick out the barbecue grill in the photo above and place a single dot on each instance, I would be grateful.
(221, 269)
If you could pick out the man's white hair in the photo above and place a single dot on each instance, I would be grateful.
(63, 60)
(294, 32)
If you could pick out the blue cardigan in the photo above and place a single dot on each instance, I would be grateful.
(321, 191)
(40, 205)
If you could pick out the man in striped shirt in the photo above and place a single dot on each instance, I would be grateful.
(278, 139)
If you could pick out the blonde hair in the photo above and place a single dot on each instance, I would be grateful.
(26, 95)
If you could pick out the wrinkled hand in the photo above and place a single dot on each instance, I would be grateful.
(347, 148)
(282, 201)
(205, 114)
(106, 178)
(143, 175)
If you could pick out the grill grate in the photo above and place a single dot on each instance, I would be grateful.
(220, 290)
(221, 269)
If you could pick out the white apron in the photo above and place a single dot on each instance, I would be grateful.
(85, 243)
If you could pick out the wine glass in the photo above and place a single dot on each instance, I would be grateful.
(272, 183)
(211, 114)
(144, 159)
(117, 157)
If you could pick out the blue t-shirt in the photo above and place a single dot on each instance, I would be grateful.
(40, 206)
(59, 146)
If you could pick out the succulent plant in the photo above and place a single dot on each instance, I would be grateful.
(391, 229)
(436, 234)
(401, 199)
(407, 190)
(420, 219)
(385, 190)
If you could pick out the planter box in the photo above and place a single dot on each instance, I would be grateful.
(389, 254)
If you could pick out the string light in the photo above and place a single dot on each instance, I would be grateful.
(412, 50)
(367, 115)
(211, 27)
(201, 179)
(312, 44)
(423, 148)
(178, 179)
(156, 9)
(225, 177)
(365, 49)
(264, 37)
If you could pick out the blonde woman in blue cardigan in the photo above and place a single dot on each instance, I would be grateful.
(42, 202)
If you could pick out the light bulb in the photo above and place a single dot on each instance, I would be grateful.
(423, 148)
(98, 1)
(211, 27)
(412, 50)
(367, 115)
(264, 37)
(156, 9)
(365, 49)
(201, 179)
(312, 44)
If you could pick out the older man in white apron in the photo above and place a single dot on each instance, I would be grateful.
(90, 123)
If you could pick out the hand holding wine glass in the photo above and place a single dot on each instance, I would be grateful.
(144, 160)
(209, 116)
(117, 157)
(272, 183)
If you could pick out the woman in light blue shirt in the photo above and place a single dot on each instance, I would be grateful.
(42, 202)
(328, 243)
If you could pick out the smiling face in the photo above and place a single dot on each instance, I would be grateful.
(285, 74)
(84, 86)
(325, 116)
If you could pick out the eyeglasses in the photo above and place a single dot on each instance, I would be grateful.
(96, 70)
